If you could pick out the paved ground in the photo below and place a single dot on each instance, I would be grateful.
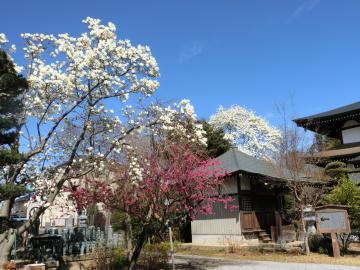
(188, 262)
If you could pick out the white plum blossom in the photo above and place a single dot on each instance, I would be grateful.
(252, 134)
(136, 171)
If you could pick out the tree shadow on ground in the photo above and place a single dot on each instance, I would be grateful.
(196, 263)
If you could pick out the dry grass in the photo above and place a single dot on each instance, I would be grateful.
(261, 254)
(10, 265)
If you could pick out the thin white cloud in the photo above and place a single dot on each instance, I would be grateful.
(190, 51)
(305, 6)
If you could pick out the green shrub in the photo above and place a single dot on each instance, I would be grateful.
(119, 259)
(320, 243)
(290, 213)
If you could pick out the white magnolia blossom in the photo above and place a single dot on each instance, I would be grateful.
(3, 39)
(82, 74)
(179, 120)
(95, 64)
(175, 119)
(71, 81)
(252, 134)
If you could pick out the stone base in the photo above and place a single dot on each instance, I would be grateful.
(222, 240)
(35, 266)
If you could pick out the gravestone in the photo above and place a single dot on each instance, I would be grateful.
(69, 222)
(83, 221)
(110, 237)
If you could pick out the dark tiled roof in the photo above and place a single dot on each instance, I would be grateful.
(235, 161)
(341, 111)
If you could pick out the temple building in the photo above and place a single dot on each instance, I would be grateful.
(258, 191)
(343, 124)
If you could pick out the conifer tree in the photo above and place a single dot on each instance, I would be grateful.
(12, 86)
(216, 142)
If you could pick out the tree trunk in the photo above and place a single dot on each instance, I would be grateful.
(7, 239)
(129, 236)
(306, 242)
(306, 236)
(139, 245)
(5, 208)
(141, 239)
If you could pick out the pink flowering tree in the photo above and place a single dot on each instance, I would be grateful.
(93, 191)
(170, 184)
(166, 185)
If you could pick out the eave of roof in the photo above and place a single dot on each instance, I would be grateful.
(353, 108)
(331, 206)
(343, 152)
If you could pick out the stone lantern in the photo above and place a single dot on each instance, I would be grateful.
(310, 219)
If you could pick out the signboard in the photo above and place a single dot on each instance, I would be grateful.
(332, 220)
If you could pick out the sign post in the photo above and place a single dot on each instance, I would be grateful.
(332, 219)
(335, 245)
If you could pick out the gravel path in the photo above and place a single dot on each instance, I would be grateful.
(189, 262)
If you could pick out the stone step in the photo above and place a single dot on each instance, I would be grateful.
(264, 237)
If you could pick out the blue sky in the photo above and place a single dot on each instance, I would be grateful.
(251, 53)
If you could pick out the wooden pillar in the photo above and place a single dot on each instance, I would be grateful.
(278, 222)
(335, 245)
(252, 193)
(238, 190)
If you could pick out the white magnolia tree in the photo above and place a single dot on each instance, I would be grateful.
(87, 94)
(252, 134)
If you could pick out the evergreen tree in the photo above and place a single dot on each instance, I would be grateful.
(336, 170)
(346, 192)
(216, 143)
(12, 86)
